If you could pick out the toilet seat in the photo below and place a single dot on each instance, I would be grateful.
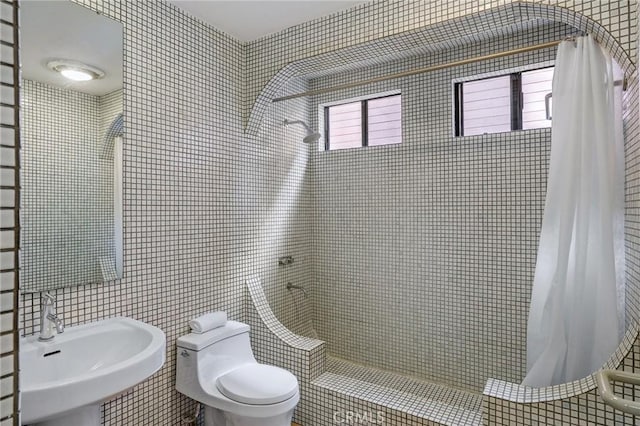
(258, 384)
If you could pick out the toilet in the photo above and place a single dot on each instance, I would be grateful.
(218, 369)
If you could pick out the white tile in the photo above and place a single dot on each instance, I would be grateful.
(7, 218)
(6, 365)
(6, 301)
(6, 405)
(7, 115)
(7, 157)
(6, 13)
(6, 74)
(6, 386)
(7, 136)
(7, 239)
(6, 343)
(6, 32)
(6, 280)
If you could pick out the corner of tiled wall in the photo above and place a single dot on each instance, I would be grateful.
(9, 219)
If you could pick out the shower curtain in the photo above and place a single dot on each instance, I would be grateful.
(574, 323)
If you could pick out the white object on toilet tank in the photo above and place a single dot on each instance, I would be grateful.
(199, 341)
(207, 322)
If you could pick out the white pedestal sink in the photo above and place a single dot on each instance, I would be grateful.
(64, 381)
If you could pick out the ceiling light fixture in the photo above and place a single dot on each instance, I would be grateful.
(76, 71)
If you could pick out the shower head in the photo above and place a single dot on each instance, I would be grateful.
(311, 136)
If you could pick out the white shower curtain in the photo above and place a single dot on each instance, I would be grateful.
(574, 323)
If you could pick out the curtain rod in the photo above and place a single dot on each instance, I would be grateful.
(419, 71)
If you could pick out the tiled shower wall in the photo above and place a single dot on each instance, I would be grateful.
(356, 225)
(424, 252)
(65, 182)
(9, 220)
(379, 20)
(290, 216)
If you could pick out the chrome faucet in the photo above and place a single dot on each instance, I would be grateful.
(291, 286)
(48, 319)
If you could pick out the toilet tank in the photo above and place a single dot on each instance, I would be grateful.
(208, 355)
(233, 336)
(201, 358)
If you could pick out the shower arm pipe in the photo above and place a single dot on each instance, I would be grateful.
(291, 286)
(305, 125)
(423, 70)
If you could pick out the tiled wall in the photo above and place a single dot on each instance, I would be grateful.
(67, 187)
(362, 24)
(513, 404)
(280, 177)
(9, 220)
(575, 403)
(377, 21)
(424, 253)
(184, 155)
(111, 125)
(271, 54)
(109, 106)
(632, 179)
(205, 206)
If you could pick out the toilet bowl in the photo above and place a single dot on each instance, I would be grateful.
(218, 369)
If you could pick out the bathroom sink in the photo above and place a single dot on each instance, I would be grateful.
(86, 365)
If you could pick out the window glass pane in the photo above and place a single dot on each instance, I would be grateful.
(345, 126)
(385, 120)
(486, 106)
(535, 85)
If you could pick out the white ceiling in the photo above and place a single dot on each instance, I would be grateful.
(248, 20)
(63, 30)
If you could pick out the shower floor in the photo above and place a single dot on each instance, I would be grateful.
(433, 402)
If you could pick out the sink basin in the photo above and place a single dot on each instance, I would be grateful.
(84, 366)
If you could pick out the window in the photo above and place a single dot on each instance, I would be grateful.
(514, 101)
(367, 122)
(535, 86)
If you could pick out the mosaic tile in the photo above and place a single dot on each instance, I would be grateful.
(208, 206)
(9, 215)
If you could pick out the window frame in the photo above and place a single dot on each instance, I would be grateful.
(323, 118)
(516, 97)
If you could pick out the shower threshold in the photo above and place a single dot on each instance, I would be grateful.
(418, 399)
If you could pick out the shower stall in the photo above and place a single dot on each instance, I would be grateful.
(416, 258)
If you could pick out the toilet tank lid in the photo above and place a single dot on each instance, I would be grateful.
(198, 341)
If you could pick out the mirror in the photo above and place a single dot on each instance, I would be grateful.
(71, 153)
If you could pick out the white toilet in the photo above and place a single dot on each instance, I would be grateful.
(217, 369)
